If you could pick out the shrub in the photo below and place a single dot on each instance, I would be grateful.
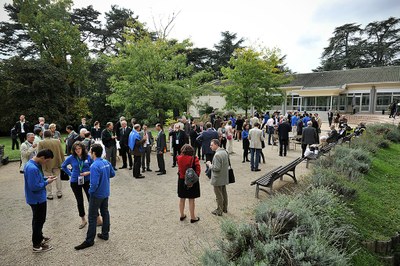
(351, 162)
(388, 131)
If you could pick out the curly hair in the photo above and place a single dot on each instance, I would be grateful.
(187, 150)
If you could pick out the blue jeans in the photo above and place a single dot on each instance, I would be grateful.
(94, 205)
(254, 161)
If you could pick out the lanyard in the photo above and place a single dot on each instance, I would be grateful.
(80, 164)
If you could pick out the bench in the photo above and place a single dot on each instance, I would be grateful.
(321, 151)
(268, 179)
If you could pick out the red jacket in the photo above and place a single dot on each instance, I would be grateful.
(184, 162)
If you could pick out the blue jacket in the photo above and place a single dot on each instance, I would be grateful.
(294, 120)
(100, 173)
(205, 139)
(245, 134)
(35, 184)
(133, 137)
(76, 164)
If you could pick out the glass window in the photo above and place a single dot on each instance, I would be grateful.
(365, 102)
(383, 100)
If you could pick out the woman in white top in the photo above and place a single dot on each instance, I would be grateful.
(229, 136)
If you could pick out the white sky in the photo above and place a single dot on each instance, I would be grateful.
(300, 28)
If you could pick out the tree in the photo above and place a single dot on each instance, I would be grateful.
(150, 77)
(253, 79)
(383, 47)
(224, 50)
(344, 50)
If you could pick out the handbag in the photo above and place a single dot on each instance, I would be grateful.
(63, 175)
(191, 176)
(231, 174)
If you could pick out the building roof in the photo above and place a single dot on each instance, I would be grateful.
(339, 78)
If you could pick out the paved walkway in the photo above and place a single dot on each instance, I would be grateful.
(145, 226)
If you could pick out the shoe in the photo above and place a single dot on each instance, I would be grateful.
(243, 161)
(122, 167)
(182, 218)
(141, 176)
(50, 197)
(216, 213)
(192, 221)
(130, 168)
(162, 173)
(157, 171)
(101, 236)
(82, 225)
(59, 196)
(45, 240)
(173, 166)
(149, 170)
(225, 211)
(247, 160)
(42, 248)
(143, 170)
(115, 169)
(252, 170)
(84, 245)
(257, 170)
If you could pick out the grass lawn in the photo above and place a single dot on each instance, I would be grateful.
(376, 208)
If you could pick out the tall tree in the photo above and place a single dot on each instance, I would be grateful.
(224, 50)
(254, 79)
(150, 77)
(344, 48)
(383, 46)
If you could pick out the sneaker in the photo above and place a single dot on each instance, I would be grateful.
(46, 240)
(84, 245)
(42, 248)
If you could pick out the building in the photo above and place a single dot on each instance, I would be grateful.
(364, 90)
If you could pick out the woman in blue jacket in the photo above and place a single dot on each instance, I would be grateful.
(79, 170)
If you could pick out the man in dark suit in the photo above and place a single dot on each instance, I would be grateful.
(146, 149)
(308, 137)
(124, 132)
(178, 140)
(283, 132)
(330, 117)
(22, 128)
(108, 138)
(205, 140)
(161, 149)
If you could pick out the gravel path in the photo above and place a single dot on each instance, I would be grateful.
(145, 226)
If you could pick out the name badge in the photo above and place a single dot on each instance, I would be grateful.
(177, 142)
(81, 180)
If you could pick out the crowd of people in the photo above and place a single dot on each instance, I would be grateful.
(92, 154)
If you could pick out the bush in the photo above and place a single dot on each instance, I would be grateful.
(388, 131)
(302, 229)
(351, 162)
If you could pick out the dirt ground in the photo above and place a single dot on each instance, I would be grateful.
(145, 226)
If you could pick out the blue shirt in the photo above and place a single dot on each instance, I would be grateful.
(77, 164)
(35, 184)
(306, 119)
(245, 134)
(100, 173)
(294, 120)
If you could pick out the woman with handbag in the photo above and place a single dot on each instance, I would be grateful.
(229, 136)
(79, 171)
(187, 159)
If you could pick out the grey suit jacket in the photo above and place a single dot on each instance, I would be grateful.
(220, 168)
(255, 137)
(309, 136)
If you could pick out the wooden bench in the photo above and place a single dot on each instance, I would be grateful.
(321, 151)
(268, 179)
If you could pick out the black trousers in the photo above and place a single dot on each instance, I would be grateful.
(22, 137)
(15, 143)
(125, 153)
(77, 189)
(177, 151)
(146, 157)
(209, 157)
(136, 165)
(303, 149)
(39, 217)
(283, 143)
(161, 162)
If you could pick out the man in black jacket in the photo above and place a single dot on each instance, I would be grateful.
(125, 152)
(308, 137)
(161, 149)
(283, 132)
(178, 140)
(108, 139)
(22, 128)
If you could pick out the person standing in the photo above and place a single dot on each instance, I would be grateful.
(55, 134)
(229, 136)
(100, 173)
(205, 140)
(161, 149)
(219, 176)
(239, 127)
(52, 168)
(96, 131)
(283, 132)
(187, 159)
(35, 195)
(178, 140)
(330, 117)
(308, 137)
(146, 149)
(22, 128)
(28, 150)
(245, 143)
(125, 152)
(70, 139)
(80, 163)
(108, 139)
(255, 137)
(42, 125)
(14, 136)
(135, 143)
(193, 139)
(83, 125)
